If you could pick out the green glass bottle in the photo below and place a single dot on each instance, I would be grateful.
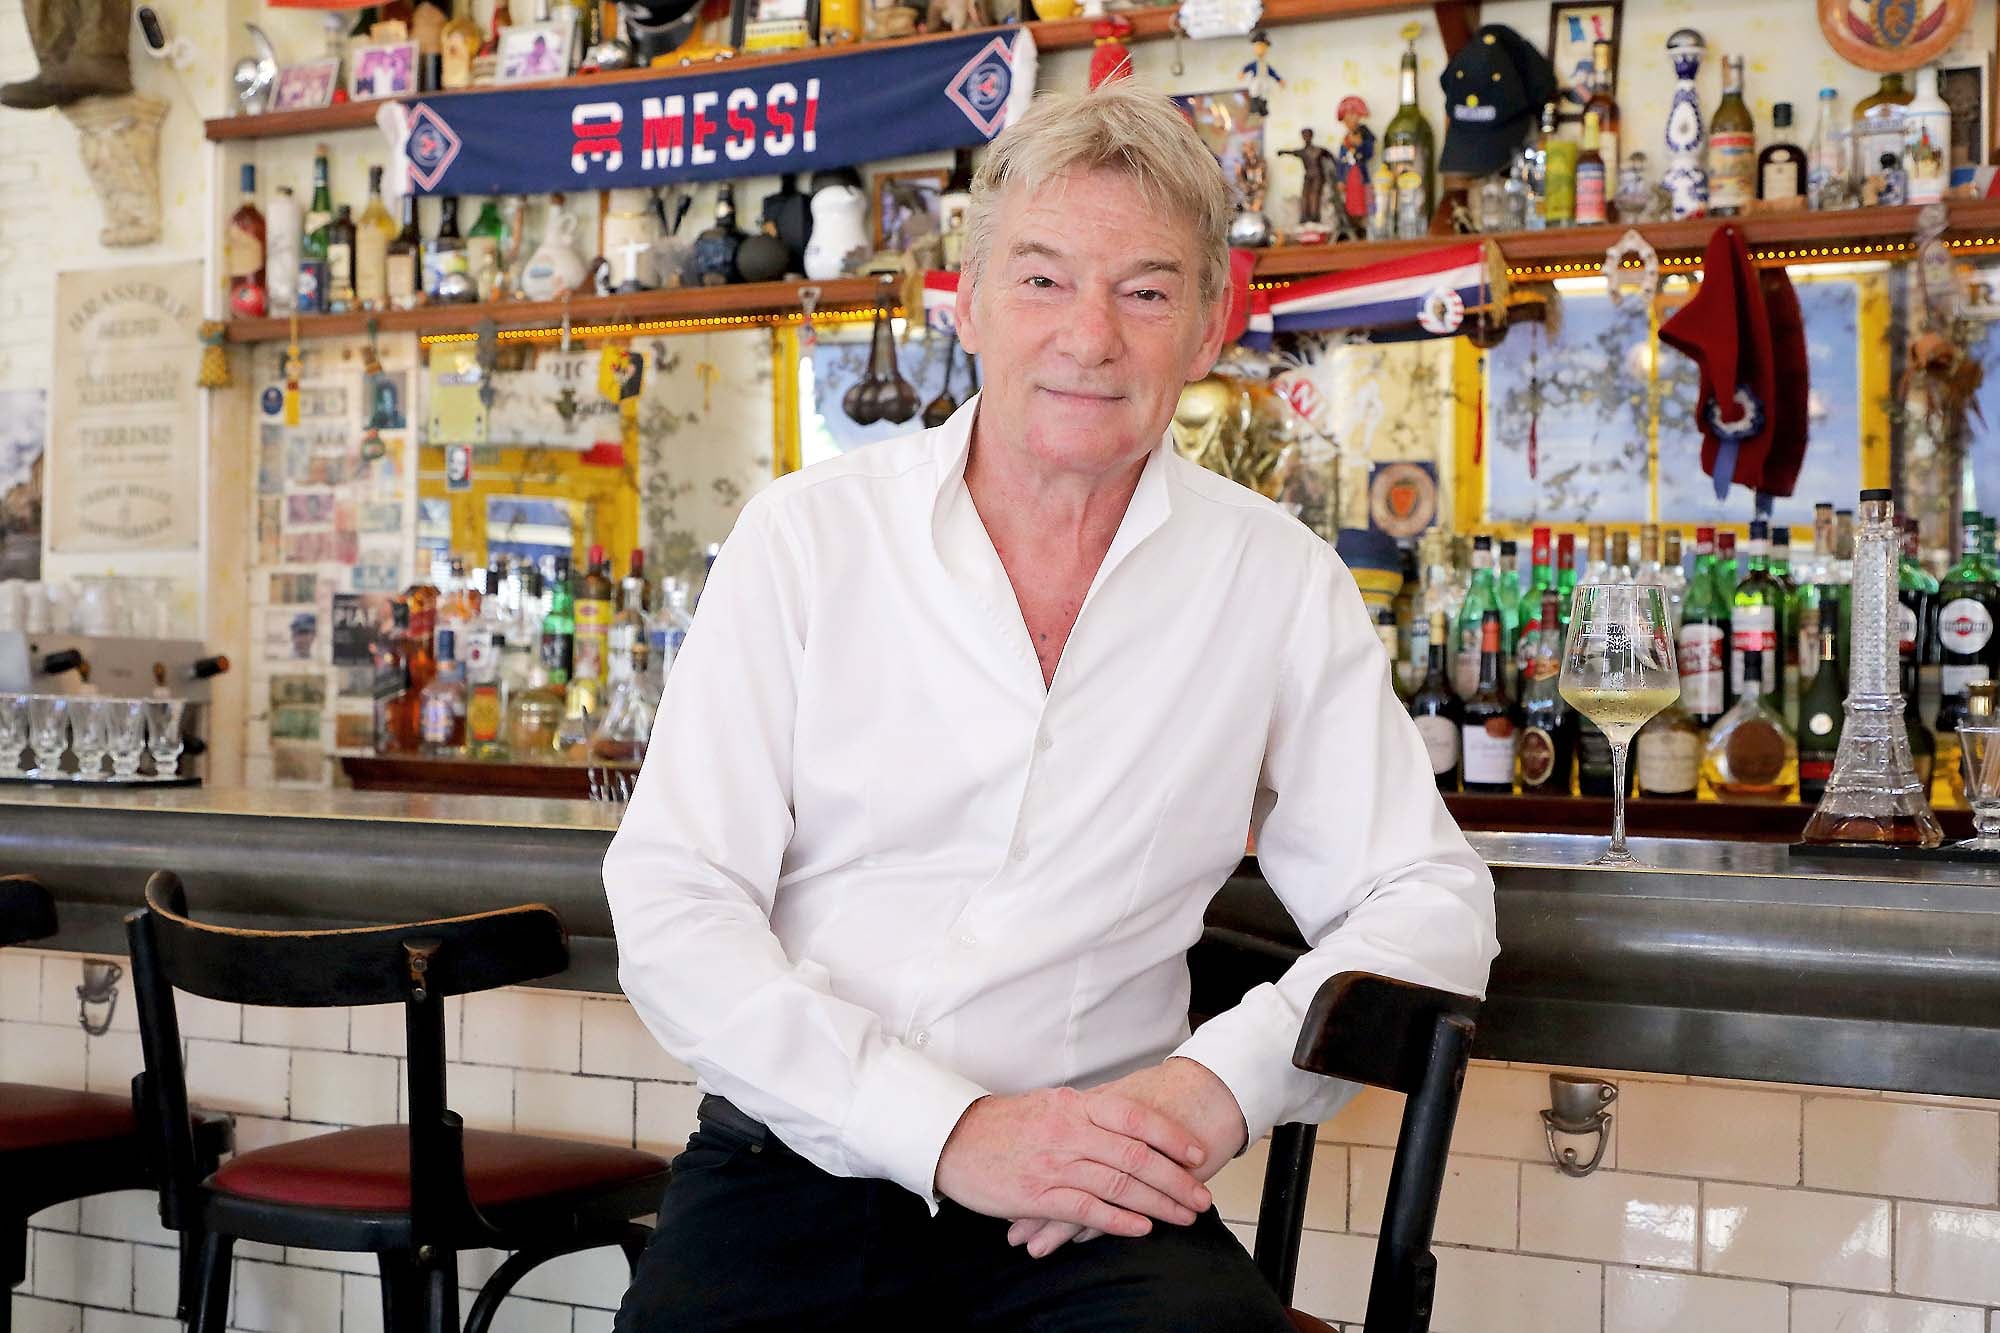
(559, 627)
(1755, 618)
(1701, 646)
(1820, 718)
(483, 242)
(1407, 143)
(1480, 597)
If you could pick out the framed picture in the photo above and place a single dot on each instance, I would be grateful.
(906, 206)
(1965, 88)
(1574, 31)
(306, 87)
(386, 69)
(531, 51)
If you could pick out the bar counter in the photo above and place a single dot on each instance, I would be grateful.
(1725, 959)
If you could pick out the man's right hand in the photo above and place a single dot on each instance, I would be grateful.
(1102, 1161)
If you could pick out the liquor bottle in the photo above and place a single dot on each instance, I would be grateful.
(1878, 127)
(1927, 140)
(1669, 755)
(1407, 145)
(1968, 599)
(1830, 171)
(1548, 723)
(1782, 170)
(1541, 581)
(313, 240)
(1559, 179)
(1604, 103)
(283, 236)
(1780, 562)
(1538, 170)
(1436, 710)
(427, 24)
(403, 266)
(1594, 770)
(593, 620)
(1487, 728)
(423, 600)
(482, 248)
(372, 234)
(340, 262)
(559, 627)
(1480, 598)
(393, 732)
(243, 253)
(1590, 187)
(633, 594)
(628, 711)
(1597, 567)
(447, 267)
(715, 249)
(443, 708)
(1619, 568)
(1750, 752)
(1565, 577)
(672, 619)
(1732, 148)
(533, 717)
(1820, 717)
(485, 702)
(1755, 618)
(1728, 573)
(1507, 586)
(1686, 177)
(458, 48)
(1702, 646)
(1917, 591)
(1676, 579)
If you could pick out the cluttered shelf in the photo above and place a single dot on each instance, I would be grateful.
(1050, 35)
(1790, 237)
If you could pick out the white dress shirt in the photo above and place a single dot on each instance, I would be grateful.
(873, 869)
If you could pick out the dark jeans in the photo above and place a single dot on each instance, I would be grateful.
(753, 1236)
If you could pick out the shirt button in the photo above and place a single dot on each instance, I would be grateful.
(1042, 742)
(1020, 851)
(921, 1040)
(965, 939)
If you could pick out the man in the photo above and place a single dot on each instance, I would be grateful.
(967, 734)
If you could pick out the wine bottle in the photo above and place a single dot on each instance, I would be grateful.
(340, 262)
(1486, 747)
(1668, 753)
(1701, 647)
(1732, 148)
(1548, 723)
(1407, 144)
(1754, 618)
(374, 230)
(1480, 597)
(1437, 710)
(1820, 718)
(403, 264)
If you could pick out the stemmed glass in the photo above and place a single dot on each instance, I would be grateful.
(89, 736)
(1979, 749)
(1618, 670)
(163, 726)
(128, 736)
(13, 733)
(48, 732)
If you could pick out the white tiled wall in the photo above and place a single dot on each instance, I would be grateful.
(1723, 1207)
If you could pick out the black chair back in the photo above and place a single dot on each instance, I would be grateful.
(27, 912)
(1409, 1039)
(416, 965)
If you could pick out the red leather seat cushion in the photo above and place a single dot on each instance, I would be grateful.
(38, 1117)
(1305, 1323)
(369, 1168)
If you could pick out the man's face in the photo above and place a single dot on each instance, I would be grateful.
(1087, 318)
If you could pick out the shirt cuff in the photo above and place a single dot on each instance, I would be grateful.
(1250, 1049)
(903, 1111)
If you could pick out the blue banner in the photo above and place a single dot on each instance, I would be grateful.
(725, 123)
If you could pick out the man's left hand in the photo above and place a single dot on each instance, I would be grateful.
(1178, 1087)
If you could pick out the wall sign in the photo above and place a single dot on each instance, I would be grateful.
(794, 115)
(125, 445)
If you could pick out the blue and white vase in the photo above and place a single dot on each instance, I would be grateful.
(1687, 136)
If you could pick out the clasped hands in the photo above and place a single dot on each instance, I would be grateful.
(1065, 1164)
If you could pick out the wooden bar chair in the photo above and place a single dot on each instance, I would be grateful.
(1389, 1034)
(57, 1144)
(416, 1194)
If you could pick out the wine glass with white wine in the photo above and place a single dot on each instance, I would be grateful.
(1618, 670)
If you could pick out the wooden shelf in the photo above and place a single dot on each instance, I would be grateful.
(466, 777)
(1975, 224)
(1050, 35)
(738, 301)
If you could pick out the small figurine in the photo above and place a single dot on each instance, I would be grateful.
(1258, 76)
(1634, 198)
(955, 16)
(1110, 58)
(1314, 160)
(1250, 228)
(1887, 186)
(1352, 163)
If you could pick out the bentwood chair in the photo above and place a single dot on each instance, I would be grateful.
(57, 1144)
(1389, 1034)
(414, 1195)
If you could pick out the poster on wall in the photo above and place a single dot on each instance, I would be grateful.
(124, 458)
(24, 420)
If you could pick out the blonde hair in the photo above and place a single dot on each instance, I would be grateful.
(1123, 127)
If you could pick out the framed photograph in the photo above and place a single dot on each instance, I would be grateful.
(1574, 31)
(306, 87)
(1966, 89)
(906, 206)
(386, 69)
(533, 51)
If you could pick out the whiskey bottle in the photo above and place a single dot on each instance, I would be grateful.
(1732, 148)
(1487, 731)
(1750, 754)
(442, 711)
